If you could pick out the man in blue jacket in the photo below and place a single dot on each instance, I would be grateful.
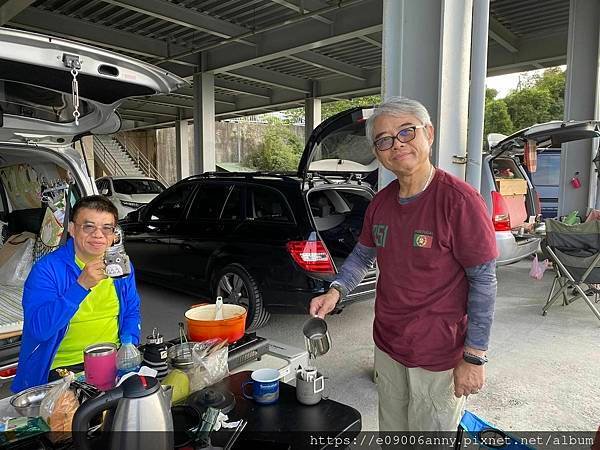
(70, 303)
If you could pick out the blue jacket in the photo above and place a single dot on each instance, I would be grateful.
(51, 297)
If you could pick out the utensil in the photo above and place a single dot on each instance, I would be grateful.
(310, 392)
(27, 403)
(316, 337)
(238, 430)
(219, 308)
(180, 355)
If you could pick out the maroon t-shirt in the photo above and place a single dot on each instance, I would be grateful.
(423, 248)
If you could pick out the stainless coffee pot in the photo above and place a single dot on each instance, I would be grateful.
(140, 405)
(316, 337)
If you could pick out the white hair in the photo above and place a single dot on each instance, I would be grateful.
(398, 106)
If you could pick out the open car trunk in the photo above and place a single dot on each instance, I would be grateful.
(35, 186)
(338, 214)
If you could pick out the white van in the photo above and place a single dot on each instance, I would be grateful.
(52, 92)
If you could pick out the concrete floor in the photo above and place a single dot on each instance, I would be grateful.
(542, 375)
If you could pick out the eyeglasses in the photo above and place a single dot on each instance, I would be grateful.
(90, 228)
(404, 135)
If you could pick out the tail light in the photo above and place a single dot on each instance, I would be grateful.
(500, 215)
(8, 372)
(311, 256)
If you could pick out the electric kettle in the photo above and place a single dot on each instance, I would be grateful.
(137, 406)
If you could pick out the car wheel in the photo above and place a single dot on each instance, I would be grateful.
(236, 286)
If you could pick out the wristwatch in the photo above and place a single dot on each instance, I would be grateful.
(338, 287)
(474, 359)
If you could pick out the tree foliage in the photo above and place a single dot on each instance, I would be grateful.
(539, 98)
(279, 151)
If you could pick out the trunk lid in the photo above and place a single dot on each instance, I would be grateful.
(338, 146)
(36, 96)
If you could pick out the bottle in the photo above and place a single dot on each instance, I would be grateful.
(129, 358)
(155, 354)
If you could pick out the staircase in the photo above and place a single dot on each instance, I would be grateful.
(119, 156)
(113, 157)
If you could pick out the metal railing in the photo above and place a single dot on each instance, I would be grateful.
(107, 159)
(139, 158)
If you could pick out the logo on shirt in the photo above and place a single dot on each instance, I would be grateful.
(422, 239)
(380, 234)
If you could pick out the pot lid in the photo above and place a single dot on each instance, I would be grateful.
(215, 398)
(137, 386)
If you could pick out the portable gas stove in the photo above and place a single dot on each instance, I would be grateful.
(252, 352)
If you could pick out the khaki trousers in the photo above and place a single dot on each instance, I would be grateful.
(415, 399)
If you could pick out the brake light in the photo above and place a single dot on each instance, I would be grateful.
(311, 256)
(9, 372)
(500, 215)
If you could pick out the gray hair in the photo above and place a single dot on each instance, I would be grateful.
(398, 106)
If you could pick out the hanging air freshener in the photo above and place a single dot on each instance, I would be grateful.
(575, 181)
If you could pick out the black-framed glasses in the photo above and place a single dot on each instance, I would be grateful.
(404, 135)
(89, 228)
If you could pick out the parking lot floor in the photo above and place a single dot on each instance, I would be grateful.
(543, 372)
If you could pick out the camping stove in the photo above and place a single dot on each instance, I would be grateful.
(253, 352)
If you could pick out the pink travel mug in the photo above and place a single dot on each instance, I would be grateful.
(100, 365)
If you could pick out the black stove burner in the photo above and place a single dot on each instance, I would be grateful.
(210, 396)
(249, 347)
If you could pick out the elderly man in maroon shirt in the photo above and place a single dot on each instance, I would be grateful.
(435, 247)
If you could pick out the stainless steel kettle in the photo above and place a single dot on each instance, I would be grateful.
(140, 405)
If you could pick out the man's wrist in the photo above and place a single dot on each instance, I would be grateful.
(337, 287)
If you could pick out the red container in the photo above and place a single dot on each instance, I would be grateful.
(100, 365)
(201, 324)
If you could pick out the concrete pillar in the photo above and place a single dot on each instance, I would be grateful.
(481, 16)
(182, 150)
(312, 116)
(582, 96)
(87, 149)
(426, 56)
(204, 122)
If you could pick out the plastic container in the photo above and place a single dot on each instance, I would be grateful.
(129, 359)
(201, 323)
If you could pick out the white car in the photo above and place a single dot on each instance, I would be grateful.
(129, 193)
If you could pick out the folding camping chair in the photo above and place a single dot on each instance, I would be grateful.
(575, 254)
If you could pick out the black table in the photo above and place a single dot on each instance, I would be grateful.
(287, 423)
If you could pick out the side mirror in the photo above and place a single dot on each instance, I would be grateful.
(104, 191)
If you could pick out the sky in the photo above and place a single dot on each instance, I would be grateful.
(505, 83)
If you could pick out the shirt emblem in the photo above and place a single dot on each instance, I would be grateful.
(422, 239)
(380, 234)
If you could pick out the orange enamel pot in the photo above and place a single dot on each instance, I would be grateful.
(201, 323)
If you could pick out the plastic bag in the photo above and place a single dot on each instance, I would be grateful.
(16, 259)
(210, 363)
(538, 268)
(58, 408)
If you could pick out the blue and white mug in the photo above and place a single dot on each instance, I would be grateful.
(265, 386)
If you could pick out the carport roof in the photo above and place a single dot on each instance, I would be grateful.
(270, 55)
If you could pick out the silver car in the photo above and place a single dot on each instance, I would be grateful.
(507, 188)
(42, 168)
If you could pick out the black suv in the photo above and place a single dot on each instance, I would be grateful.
(267, 241)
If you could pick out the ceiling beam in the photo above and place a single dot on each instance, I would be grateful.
(333, 65)
(10, 8)
(374, 41)
(183, 16)
(55, 24)
(242, 88)
(507, 39)
(545, 50)
(272, 78)
(360, 19)
(303, 7)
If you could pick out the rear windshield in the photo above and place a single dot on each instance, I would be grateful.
(505, 168)
(130, 187)
(19, 99)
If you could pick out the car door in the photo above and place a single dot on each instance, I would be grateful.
(147, 241)
(214, 214)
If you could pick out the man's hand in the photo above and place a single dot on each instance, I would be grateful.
(92, 274)
(468, 378)
(324, 304)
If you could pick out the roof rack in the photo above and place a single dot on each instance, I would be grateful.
(246, 175)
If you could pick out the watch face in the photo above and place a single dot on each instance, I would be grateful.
(472, 359)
